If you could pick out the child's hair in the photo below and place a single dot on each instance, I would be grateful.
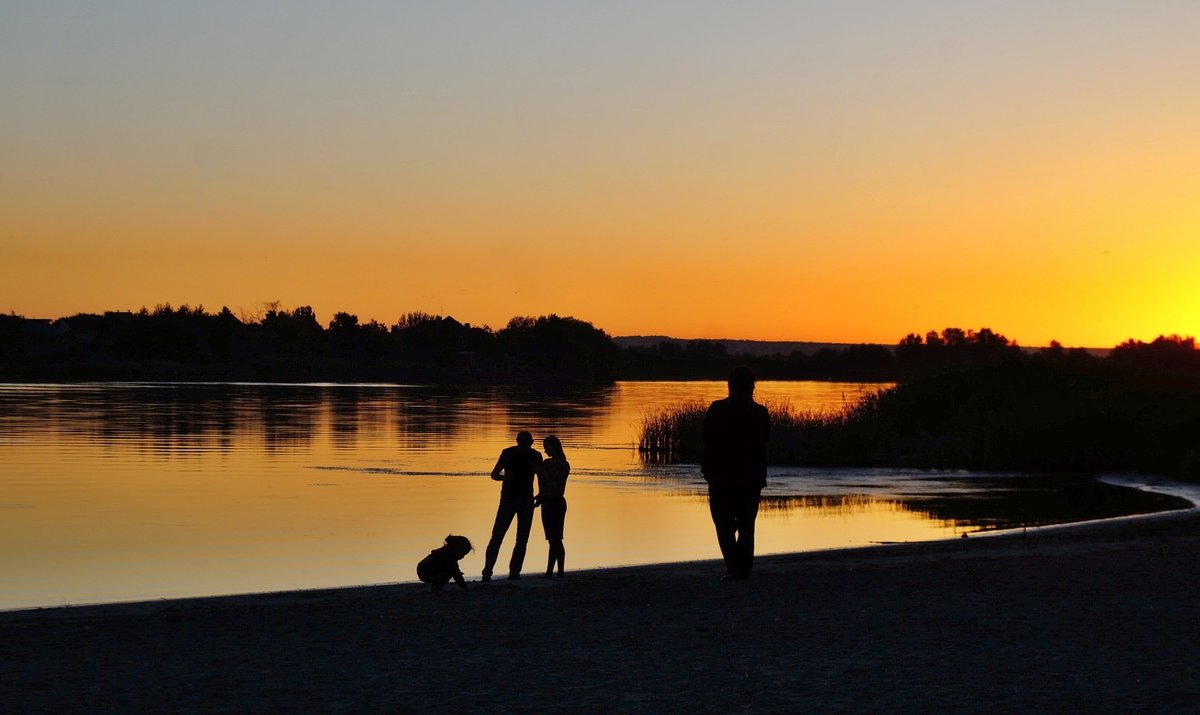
(460, 544)
(554, 447)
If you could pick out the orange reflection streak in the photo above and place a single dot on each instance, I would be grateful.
(123, 492)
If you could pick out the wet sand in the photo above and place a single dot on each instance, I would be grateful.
(1093, 618)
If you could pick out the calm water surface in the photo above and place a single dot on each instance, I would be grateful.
(138, 491)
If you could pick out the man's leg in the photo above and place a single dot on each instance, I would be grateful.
(725, 523)
(524, 524)
(747, 514)
(504, 517)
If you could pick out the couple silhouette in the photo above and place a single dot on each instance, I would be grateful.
(736, 431)
(515, 469)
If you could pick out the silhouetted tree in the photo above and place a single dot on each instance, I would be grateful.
(226, 334)
(953, 348)
(293, 333)
(1171, 353)
(423, 337)
(558, 349)
(344, 334)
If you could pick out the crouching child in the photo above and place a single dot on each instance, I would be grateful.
(441, 564)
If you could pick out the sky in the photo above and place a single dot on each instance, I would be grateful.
(840, 171)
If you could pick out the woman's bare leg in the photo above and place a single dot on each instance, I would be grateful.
(558, 554)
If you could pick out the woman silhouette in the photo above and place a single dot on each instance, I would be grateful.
(552, 484)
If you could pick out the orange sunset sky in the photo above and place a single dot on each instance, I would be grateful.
(831, 171)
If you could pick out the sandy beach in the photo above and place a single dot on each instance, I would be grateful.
(1093, 618)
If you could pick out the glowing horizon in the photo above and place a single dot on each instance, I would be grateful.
(823, 172)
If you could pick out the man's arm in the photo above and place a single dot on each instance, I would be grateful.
(498, 469)
(458, 578)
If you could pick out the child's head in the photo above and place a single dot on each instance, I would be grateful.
(459, 545)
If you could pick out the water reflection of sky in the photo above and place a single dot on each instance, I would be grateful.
(131, 491)
(960, 501)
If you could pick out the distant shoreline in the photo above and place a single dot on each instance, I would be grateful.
(766, 348)
(292, 346)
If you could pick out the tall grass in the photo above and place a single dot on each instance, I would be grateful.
(675, 434)
(1031, 416)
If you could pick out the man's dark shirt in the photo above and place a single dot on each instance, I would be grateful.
(735, 443)
(518, 464)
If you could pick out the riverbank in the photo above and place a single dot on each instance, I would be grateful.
(1099, 617)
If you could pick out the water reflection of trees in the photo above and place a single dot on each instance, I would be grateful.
(188, 418)
(575, 415)
(165, 420)
(289, 422)
(432, 418)
(343, 415)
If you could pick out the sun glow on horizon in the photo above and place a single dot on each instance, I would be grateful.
(800, 172)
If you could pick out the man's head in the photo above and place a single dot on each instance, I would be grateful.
(524, 439)
(741, 382)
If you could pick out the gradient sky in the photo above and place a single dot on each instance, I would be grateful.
(848, 170)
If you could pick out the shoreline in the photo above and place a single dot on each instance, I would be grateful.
(600, 570)
(1185, 493)
(1098, 615)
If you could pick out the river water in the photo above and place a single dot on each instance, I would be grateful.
(114, 492)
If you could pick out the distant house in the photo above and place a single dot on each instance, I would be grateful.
(43, 327)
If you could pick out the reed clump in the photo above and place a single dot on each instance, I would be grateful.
(1033, 416)
(675, 434)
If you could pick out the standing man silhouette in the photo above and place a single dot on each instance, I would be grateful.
(515, 469)
(736, 430)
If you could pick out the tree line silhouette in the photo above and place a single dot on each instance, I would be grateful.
(189, 343)
(913, 356)
(964, 398)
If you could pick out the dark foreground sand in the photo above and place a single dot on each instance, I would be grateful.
(1094, 618)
